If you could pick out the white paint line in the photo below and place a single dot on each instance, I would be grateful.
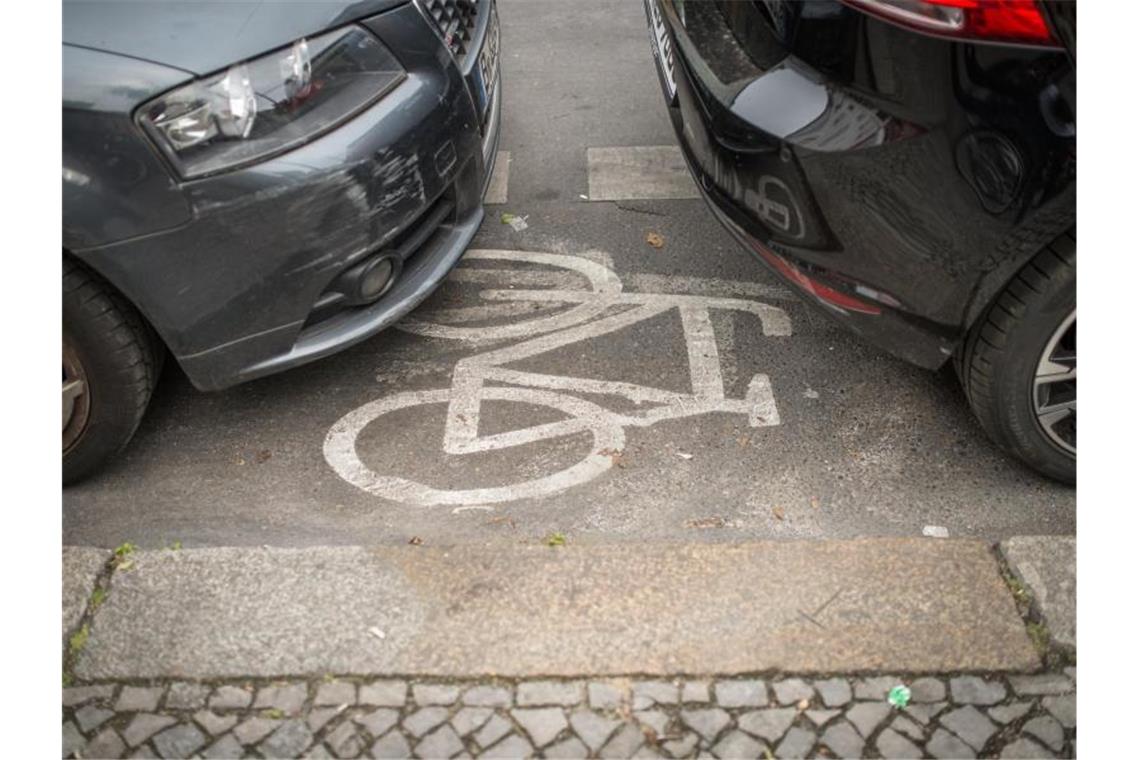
(485, 312)
(500, 176)
(473, 508)
(704, 359)
(638, 173)
(702, 286)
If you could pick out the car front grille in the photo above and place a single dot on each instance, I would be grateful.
(455, 20)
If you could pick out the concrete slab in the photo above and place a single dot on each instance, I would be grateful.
(81, 566)
(837, 606)
(500, 178)
(1048, 566)
(641, 172)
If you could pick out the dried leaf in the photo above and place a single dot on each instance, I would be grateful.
(655, 240)
(778, 512)
(415, 541)
(706, 522)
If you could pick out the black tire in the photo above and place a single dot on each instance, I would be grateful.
(118, 357)
(998, 361)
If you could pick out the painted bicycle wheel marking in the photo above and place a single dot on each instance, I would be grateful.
(587, 317)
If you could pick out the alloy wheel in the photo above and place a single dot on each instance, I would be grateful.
(1055, 386)
(76, 397)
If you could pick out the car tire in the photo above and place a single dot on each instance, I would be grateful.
(1002, 369)
(111, 352)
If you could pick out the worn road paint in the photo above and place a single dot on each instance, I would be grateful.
(602, 310)
(500, 176)
(655, 172)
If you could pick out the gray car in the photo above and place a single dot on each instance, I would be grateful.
(252, 186)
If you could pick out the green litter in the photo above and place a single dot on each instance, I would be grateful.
(899, 696)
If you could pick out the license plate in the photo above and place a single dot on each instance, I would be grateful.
(662, 49)
(489, 60)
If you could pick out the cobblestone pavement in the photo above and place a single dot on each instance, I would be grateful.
(1025, 716)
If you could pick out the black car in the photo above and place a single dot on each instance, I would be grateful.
(910, 167)
(253, 186)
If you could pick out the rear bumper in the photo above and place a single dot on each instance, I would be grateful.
(234, 292)
(863, 199)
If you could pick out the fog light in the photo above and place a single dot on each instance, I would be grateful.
(376, 280)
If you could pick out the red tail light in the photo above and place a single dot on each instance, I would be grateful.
(1014, 21)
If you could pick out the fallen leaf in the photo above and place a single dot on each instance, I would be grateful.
(742, 441)
(263, 456)
(655, 240)
(415, 541)
(778, 512)
(815, 502)
(706, 522)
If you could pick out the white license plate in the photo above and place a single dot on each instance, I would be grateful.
(489, 60)
(662, 48)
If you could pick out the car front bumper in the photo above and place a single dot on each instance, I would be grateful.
(240, 291)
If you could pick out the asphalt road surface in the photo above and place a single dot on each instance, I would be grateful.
(671, 393)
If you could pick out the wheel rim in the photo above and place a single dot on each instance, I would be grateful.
(76, 397)
(1055, 386)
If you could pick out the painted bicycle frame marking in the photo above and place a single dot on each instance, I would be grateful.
(586, 319)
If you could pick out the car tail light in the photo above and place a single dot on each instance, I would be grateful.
(1012, 21)
(826, 294)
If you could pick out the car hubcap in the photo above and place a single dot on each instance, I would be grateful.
(76, 399)
(1055, 386)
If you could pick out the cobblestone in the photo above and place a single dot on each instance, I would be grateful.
(435, 694)
(971, 726)
(442, 742)
(797, 743)
(971, 690)
(186, 696)
(180, 741)
(1048, 730)
(289, 740)
(737, 744)
(593, 729)
(741, 693)
(792, 690)
(138, 699)
(843, 740)
(927, 690)
(604, 696)
(105, 744)
(230, 698)
(391, 745)
(289, 699)
(834, 691)
(542, 724)
(385, 693)
(379, 720)
(144, 726)
(952, 716)
(892, 744)
(336, 693)
(769, 724)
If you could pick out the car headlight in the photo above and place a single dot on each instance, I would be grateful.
(270, 104)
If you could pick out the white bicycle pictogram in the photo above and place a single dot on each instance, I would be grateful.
(588, 317)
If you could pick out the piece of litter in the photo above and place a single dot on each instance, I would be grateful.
(583, 197)
(376, 632)
(415, 541)
(517, 223)
(899, 696)
(935, 531)
(809, 393)
(683, 455)
(802, 705)
(655, 240)
(778, 512)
